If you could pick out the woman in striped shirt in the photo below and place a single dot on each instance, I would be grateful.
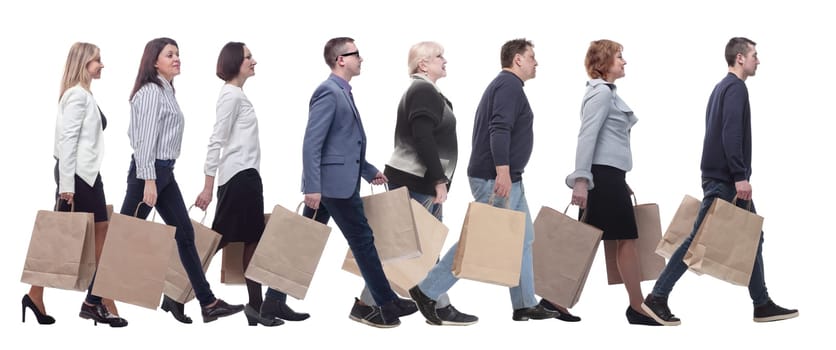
(156, 132)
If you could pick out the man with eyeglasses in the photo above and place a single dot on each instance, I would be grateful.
(333, 160)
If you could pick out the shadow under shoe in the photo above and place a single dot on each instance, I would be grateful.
(426, 305)
(220, 309)
(278, 309)
(99, 314)
(372, 315)
(562, 315)
(254, 317)
(657, 308)
(635, 317)
(41, 317)
(176, 309)
(537, 312)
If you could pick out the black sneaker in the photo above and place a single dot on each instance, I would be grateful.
(425, 305)
(564, 316)
(657, 308)
(371, 315)
(771, 312)
(635, 317)
(451, 317)
(537, 312)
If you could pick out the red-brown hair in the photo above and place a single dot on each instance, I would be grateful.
(600, 56)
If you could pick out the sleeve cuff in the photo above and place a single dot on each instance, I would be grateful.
(580, 174)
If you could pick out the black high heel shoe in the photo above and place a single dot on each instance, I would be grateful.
(99, 314)
(42, 317)
(176, 309)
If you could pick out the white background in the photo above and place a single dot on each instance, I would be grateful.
(674, 52)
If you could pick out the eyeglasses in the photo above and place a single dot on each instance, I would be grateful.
(353, 53)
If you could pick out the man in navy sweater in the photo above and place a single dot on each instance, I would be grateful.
(726, 167)
(503, 137)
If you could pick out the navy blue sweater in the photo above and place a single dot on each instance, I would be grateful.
(503, 131)
(727, 148)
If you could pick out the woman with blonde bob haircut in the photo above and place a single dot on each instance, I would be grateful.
(78, 152)
(602, 160)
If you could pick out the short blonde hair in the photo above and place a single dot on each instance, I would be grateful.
(422, 51)
(75, 70)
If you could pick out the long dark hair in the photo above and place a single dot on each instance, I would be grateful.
(147, 72)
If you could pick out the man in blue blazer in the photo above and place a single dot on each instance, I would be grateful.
(333, 160)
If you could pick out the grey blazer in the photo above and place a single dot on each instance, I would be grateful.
(334, 149)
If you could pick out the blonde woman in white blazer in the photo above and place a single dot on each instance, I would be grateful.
(78, 152)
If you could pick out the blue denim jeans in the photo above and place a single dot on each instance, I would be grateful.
(440, 279)
(434, 209)
(351, 219)
(712, 189)
(173, 211)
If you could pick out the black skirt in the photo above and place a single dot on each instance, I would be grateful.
(239, 215)
(86, 199)
(608, 205)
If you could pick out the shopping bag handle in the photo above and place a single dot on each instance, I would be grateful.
(204, 214)
(72, 205)
(583, 217)
(303, 203)
(153, 213)
(748, 206)
(507, 200)
(385, 187)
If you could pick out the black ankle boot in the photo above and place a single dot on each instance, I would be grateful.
(254, 317)
(176, 309)
(277, 309)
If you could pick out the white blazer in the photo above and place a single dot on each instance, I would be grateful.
(79, 140)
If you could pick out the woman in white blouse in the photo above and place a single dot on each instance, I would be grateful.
(234, 157)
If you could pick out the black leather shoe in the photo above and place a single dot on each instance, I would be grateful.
(220, 309)
(372, 315)
(657, 308)
(537, 312)
(99, 314)
(425, 305)
(562, 315)
(635, 317)
(278, 309)
(254, 317)
(176, 309)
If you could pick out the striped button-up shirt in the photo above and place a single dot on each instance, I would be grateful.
(156, 128)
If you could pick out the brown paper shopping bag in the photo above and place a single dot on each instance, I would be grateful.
(680, 227)
(134, 261)
(490, 245)
(288, 252)
(62, 251)
(564, 250)
(177, 284)
(649, 226)
(405, 273)
(726, 243)
(392, 220)
(232, 261)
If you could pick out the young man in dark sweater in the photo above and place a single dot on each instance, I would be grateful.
(726, 167)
